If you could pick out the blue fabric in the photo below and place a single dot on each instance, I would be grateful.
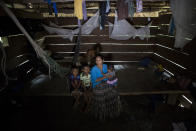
(49, 1)
(145, 62)
(54, 7)
(96, 73)
(72, 79)
(171, 27)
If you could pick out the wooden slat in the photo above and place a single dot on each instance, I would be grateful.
(175, 56)
(169, 66)
(163, 19)
(17, 45)
(114, 56)
(164, 40)
(61, 1)
(94, 39)
(104, 48)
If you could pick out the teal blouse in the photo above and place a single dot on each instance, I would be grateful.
(96, 73)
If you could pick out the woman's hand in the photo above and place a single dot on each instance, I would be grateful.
(103, 74)
(109, 76)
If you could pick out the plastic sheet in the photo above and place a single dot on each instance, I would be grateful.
(123, 30)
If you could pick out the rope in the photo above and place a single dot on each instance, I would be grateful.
(3, 65)
(77, 49)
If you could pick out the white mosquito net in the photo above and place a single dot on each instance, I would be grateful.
(123, 30)
(86, 28)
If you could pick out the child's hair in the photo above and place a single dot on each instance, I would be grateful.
(111, 67)
(74, 67)
(85, 66)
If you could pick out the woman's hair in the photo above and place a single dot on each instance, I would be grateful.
(100, 56)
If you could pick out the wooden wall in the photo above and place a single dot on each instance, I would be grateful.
(115, 50)
(20, 57)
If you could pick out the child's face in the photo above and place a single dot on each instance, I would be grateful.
(86, 70)
(109, 70)
(75, 72)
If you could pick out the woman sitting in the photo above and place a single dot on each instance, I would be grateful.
(105, 102)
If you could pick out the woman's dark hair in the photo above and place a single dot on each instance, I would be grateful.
(100, 56)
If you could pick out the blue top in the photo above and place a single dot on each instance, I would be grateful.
(72, 79)
(96, 73)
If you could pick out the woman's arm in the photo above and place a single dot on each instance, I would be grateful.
(101, 78)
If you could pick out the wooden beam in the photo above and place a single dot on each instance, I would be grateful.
(42, 1)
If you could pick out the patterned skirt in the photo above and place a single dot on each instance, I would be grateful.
(105, 102)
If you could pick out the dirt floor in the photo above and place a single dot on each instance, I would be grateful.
(139, 113)
(131, 80)
(34, 110)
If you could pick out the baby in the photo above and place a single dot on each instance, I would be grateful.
(112, 80)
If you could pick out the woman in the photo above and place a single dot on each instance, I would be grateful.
(106, 102)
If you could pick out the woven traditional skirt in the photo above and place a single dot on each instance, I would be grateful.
(105, 102)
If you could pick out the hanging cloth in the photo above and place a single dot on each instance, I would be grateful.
(102, 12)
(49, 6)
(171, 26)
(108, 6)
(139, 6)
(122, 8)
(78, 9)
(55, 9)
(183, 12)
(84, 10)
(131, 9)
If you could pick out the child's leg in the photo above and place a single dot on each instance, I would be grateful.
(78, 98)
(85, 96)
(89, 100)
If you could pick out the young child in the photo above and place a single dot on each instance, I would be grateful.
(75, 85)
(112, 80)
(86, 84)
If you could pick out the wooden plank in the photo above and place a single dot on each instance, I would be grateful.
(164, 40)
(12, 63)
(175, 56)
(94, 39)
(103, 47)
(113, 56)
(163, 19)
(17, 45)
(154, 92)
(93, 10)
(130, 93)
(60, 1)
(176, 70)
